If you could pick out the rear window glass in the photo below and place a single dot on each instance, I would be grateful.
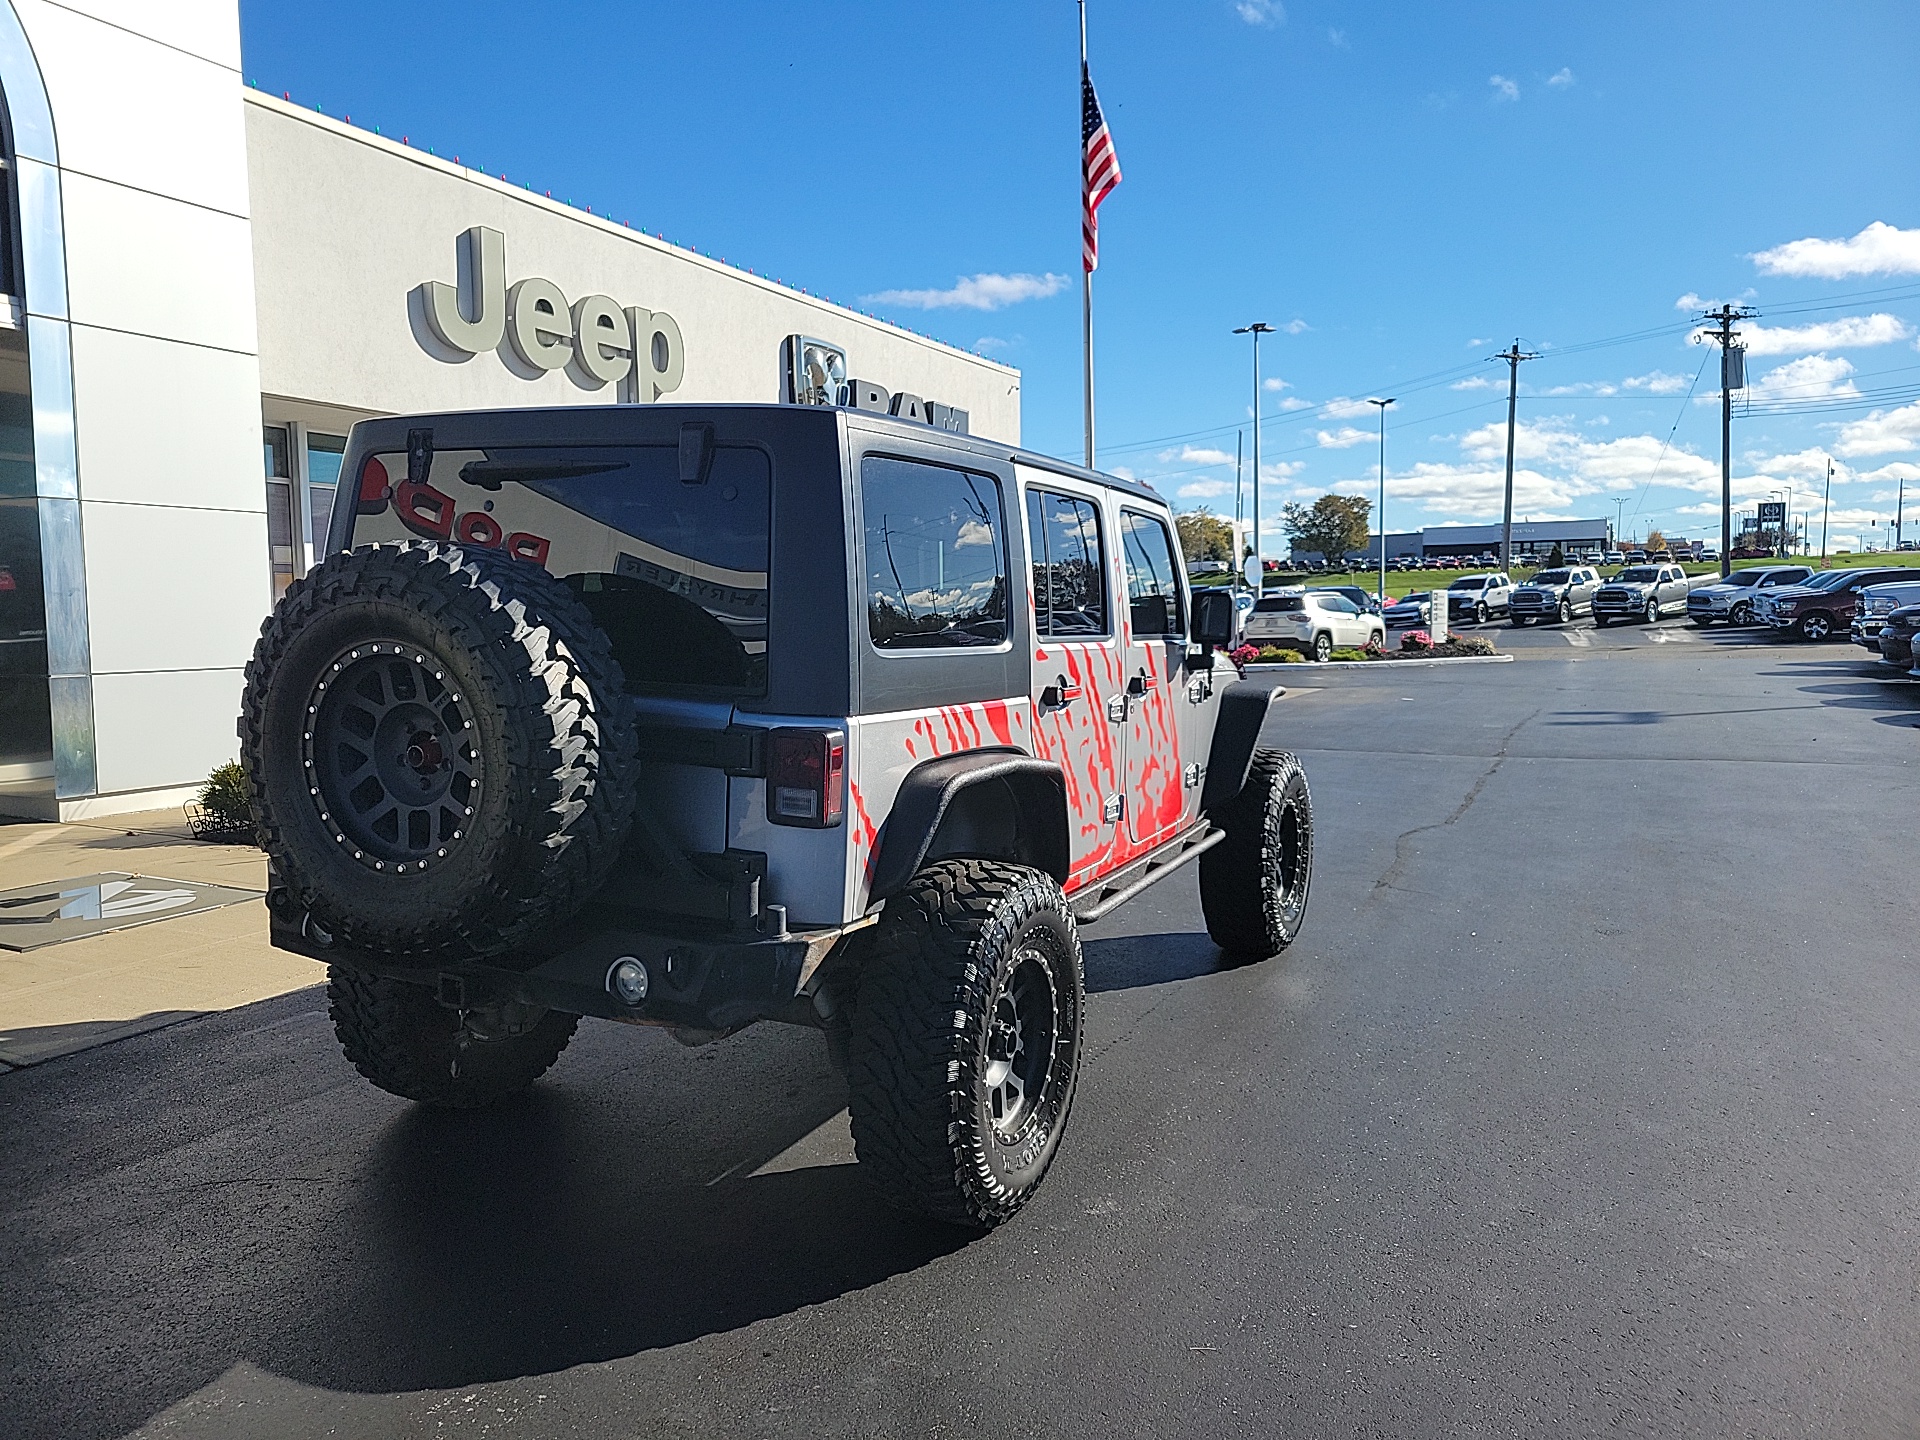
(936, 564)
(675, 573)
(1279, 604)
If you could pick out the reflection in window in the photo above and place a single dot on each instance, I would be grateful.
(324, 454)
(1153, 592)
(1069, 567)
(279, 507)
(936, 573)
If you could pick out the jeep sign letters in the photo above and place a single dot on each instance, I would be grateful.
(594, 339)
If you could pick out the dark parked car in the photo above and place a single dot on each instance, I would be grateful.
(1895, 640)
(1877, 602)
(1368, 602)
(1825, 605)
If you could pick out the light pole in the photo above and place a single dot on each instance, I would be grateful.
(1257, 329)
(1381, 518)
(1619, 518)
(1826, 509)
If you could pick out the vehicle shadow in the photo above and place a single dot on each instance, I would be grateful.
(1133, 962)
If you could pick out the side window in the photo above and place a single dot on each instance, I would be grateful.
(1069, 565)
(1153, 592)
(936, 564)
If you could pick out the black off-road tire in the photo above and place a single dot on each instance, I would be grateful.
(1253, 884)
(532, 738)
(952, 959)
(401, 1038)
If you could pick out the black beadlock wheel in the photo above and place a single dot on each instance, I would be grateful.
(441, 752)
(965, 1042)
(399, 1036)
(1253, 884)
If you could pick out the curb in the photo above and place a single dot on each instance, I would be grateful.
(1318, 667)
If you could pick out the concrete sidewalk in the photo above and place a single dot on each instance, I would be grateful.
(86, 992)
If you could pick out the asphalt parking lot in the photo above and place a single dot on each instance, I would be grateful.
(1588, 1103)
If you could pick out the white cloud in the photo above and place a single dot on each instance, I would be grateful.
(1125, 472)
(1343, 408)
(990, 344)
(1274, 382)
(1562, 78)
(1261, 12)
(1343, 438)
(1811, 377)
(1691, 301)
(1503, 88)
(1847, 333)
(1273, 471)
(1478, 382)
(1656, 382)
(1337, 39)
(1880, 249)
(974, 292)
(1205, 489)
(1294, 402)
(1195, 455)
(1296, 326)
(1881, 432)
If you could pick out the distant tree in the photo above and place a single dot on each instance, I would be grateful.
(1334, 525)
(1204, 536)
(1555, 557)
(1655, 541)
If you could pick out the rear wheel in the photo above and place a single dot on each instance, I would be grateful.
(1253, 884)
(1322, 647)
(965, 1042)
(401, 1038)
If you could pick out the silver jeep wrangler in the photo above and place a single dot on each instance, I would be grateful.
(695, 716)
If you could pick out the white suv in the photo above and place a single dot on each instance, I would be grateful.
(1315, 622)
(1479, 597)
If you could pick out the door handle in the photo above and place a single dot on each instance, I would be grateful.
(1139, 685)
(1061, 693)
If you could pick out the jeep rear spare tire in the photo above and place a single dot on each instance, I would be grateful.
(966, 1040)
(442, 756)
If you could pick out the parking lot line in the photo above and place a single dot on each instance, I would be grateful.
(1577, 638)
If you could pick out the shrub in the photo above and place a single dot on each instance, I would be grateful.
(227, 794)
(1347, 652)
(1244, 654)
(1278, 655)
(1474, 645)
(1416, 640)
(1375, 647)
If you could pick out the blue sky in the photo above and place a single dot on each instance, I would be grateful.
(1404, 187)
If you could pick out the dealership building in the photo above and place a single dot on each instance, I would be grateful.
(204, 287)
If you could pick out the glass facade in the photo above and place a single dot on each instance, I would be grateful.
(324, 454)
(278, 447)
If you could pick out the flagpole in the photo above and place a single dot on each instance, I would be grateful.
(1086, 275)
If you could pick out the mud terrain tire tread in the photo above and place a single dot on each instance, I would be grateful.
(917, 1035)
(1252, 906)
(400, 1037)
(549, 700)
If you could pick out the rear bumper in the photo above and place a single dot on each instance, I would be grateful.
(694, 983)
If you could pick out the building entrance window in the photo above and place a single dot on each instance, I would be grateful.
(280, 532)
(324, 454)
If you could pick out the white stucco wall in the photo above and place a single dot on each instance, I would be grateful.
(146, 105)
(347, 224)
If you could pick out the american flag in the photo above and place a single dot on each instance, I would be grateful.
(1099, 170)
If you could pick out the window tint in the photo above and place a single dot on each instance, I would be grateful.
(676, 574)
(1153, 594)
(936, 567)
(1069, 565)
(1278, 604)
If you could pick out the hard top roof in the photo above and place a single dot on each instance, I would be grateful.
(525, 424)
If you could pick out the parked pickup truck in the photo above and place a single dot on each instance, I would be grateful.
(1732, 599)
(1877, 602)
(1554, 595)
(1640, 592)
(1825, 605)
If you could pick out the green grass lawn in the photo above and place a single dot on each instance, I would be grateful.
(1400, 582)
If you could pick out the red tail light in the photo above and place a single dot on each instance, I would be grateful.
(6, 579)
(806, 777)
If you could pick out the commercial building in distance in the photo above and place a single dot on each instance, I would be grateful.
(1530, 538)
(203, 287)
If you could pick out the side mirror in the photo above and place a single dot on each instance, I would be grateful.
(1213, 617)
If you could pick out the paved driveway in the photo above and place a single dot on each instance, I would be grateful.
(1588, 1104)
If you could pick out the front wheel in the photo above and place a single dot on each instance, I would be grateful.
(1480, 613)
(1600, 622)
(1816, 625)
(399, 1036)
(1565, 612)
(1742, 614)
(1653, 612)
(1253, 884)
(1518, 622)
(965, 1043)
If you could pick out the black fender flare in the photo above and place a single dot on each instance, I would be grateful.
(1236, 731)
(934, 787)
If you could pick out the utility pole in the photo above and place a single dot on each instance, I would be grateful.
(1826, 508)
(1900, 515)
(1257, 329)
(1619, 519)
(1513, 358)
(1381, 518)
(1239, 506)
(1733, 375)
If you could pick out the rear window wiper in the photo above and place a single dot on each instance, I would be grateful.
(492, 474)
